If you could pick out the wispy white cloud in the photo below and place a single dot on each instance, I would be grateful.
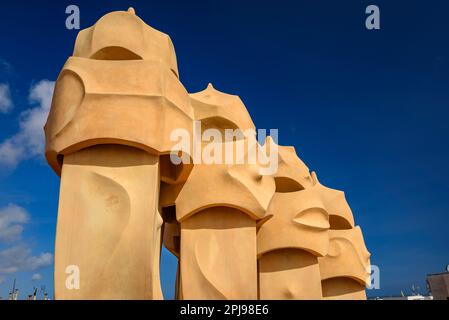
(5, 98)
(36, 277)
(6, 67)
(20, 258)
(29, 141)
(12, 219)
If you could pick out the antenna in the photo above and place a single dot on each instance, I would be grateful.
(12, 293)
(42, 291)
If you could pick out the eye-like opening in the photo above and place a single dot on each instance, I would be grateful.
(339, 223)
(285, 184)
(221, 124)
(115, 53)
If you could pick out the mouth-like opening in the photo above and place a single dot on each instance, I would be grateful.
(341, 286)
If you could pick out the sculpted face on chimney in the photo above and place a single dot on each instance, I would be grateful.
(259, 229)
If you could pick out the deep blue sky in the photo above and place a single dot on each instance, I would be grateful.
(367, 110)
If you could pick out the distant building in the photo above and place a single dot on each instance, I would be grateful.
(404, 297)
(439, 285)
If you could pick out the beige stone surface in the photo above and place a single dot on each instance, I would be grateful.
(292, 173)
(115, 103)
(340, 214)
(218, 255)
(122, 35)
(289, 274)
(218, 207)
(299, 220)
(309, 235)
(237, 233)
(109, 225)
(239, 186)
(343, 289)
(117, 99)
(345, 270)
(290, 241)
(219, 110)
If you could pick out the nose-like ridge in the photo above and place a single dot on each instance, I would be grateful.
(314, 217)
